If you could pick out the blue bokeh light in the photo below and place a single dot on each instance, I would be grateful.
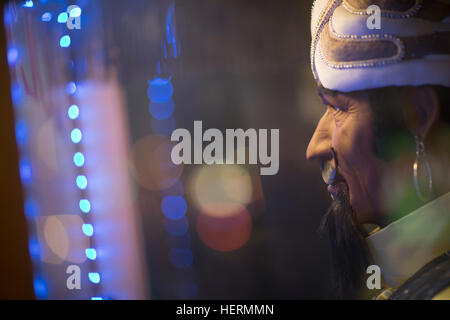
(64, 42)
(85, 205)
(62, 17)
(28, 4)
(94, 277)
(160, 90)
(12, 55)
(75, 12)
(46, 17)
(88, 229)
(76, 135)
(21, 132)
(181, 258)
(78, 159)
(16, 93)
(40, 288)
(73, 112)
(174, 207)
(96, 298)
(31, 208)
(176, 227)
(8, 17)
(91, 253)
(25, 170)
(82, 182)
(162, 110)
(71, 88)
(34, 248)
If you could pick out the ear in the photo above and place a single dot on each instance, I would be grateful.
(421, 109)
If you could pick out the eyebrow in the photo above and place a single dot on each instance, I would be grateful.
(321, 91)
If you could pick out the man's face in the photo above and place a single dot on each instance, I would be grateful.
(344, 137)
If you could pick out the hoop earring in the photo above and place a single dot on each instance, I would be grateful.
(422, 162)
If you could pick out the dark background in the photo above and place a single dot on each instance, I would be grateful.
(243, 64)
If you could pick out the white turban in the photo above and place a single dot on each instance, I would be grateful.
(411, 48)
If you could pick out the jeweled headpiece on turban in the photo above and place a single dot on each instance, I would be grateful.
(412, 47)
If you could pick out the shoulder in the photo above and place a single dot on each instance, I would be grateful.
(431, 282)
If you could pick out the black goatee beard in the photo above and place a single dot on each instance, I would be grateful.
(348, 250)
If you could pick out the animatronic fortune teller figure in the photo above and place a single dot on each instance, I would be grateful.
(383, 142)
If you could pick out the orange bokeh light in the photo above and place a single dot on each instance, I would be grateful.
(224, 233)
(151, 164)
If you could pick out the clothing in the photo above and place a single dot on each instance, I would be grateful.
(405, 246)
(430, 281)
(367, 44)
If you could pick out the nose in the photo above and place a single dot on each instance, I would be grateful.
(320, 145)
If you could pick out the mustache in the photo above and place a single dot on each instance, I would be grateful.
(328, 172)
(330, 169)
(348, 250)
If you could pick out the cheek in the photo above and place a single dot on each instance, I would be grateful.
(360, 168)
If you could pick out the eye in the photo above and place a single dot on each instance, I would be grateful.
(338, 109)
(339, 114)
